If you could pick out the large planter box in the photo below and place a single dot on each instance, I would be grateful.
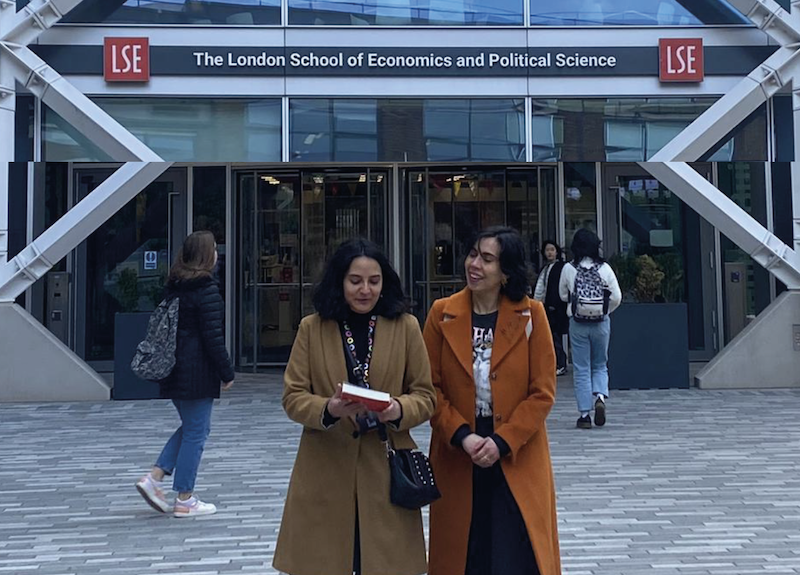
(129, 330)
(649, 347)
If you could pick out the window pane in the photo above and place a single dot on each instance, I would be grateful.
(633, 129)
(208, 210)
(407, 130)
(180, 130)
(580, 200)
(230, 12)
(745, 284)
(633, 13)
(400, 12)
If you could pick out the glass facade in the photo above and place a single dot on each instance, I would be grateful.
(448, 207)
(633, 13)
(178, 129)
(288, 223)
(117, 279)
(328, 130)
(407, 12)
(745, 284)
(228, 12)
(632, 129)
(580, 199)
(410, 12)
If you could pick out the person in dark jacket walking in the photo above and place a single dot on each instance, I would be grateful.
(201, 365)
(546, 291)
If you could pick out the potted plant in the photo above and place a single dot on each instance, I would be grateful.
(651, 314)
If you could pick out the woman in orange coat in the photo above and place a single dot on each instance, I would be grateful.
(493, 368)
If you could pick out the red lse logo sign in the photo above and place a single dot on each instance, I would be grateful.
(126, 59)
(681, 59)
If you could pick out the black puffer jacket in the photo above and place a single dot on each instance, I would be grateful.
(201, 360)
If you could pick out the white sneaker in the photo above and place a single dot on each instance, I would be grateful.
(151, 491)
(192, 507)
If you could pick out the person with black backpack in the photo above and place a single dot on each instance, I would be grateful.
(201, 365)
(590, 287)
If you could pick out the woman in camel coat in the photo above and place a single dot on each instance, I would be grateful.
(338, 518)
(493, 368)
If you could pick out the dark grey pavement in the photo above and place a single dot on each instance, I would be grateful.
(678, 482)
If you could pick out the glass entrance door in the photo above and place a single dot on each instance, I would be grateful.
(288, 224)
(642, 217)
(448, 207)
(123, 266)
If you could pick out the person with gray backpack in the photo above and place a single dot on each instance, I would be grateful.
(185, 352)
(591, 290)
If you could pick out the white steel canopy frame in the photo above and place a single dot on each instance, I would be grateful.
(18, 64)
(669, 164)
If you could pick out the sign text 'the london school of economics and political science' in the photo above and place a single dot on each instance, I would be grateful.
(432, 60)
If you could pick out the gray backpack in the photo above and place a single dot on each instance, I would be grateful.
(590, 295)
(155, 356)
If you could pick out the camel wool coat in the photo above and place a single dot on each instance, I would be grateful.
(334, 472)
(523, 391)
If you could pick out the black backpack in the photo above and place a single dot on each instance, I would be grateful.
(154, 359)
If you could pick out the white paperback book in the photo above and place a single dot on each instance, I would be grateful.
(374, 400)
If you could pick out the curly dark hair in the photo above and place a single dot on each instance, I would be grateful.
(585, 244)
(512, 260)
(329, 298)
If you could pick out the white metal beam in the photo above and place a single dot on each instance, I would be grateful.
(728, 112)
(701, 195)
(83, 114)
(24, 26)
(7, 112)
(770, 17)
(75, 226)
(732, 109)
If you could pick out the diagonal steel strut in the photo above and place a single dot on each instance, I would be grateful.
(17, 61)
(37, 16)
(715, 123)
(75, 226)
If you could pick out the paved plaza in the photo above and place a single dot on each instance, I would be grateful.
(678, 482)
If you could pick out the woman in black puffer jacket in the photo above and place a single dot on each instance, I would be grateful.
(202, 364)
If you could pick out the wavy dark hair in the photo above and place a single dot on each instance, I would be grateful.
(329, 298)
(195, 259)
(559, 251)
(512, 260)
(585, 244)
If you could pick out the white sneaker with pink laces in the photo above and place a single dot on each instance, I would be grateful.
(193, 507)
(151, 491)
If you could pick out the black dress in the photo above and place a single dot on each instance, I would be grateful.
(498, 538)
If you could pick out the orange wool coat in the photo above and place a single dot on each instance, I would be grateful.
(523, 391)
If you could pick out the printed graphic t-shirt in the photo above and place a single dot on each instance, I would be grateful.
(482, 340)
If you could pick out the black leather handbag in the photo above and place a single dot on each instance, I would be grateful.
(411, 476)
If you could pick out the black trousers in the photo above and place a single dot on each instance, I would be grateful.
(561, 355)
(498, 540)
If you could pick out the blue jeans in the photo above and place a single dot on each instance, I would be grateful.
(184, 449)
(589, 360)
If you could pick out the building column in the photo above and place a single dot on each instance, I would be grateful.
(796, 166)
(7, 109)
